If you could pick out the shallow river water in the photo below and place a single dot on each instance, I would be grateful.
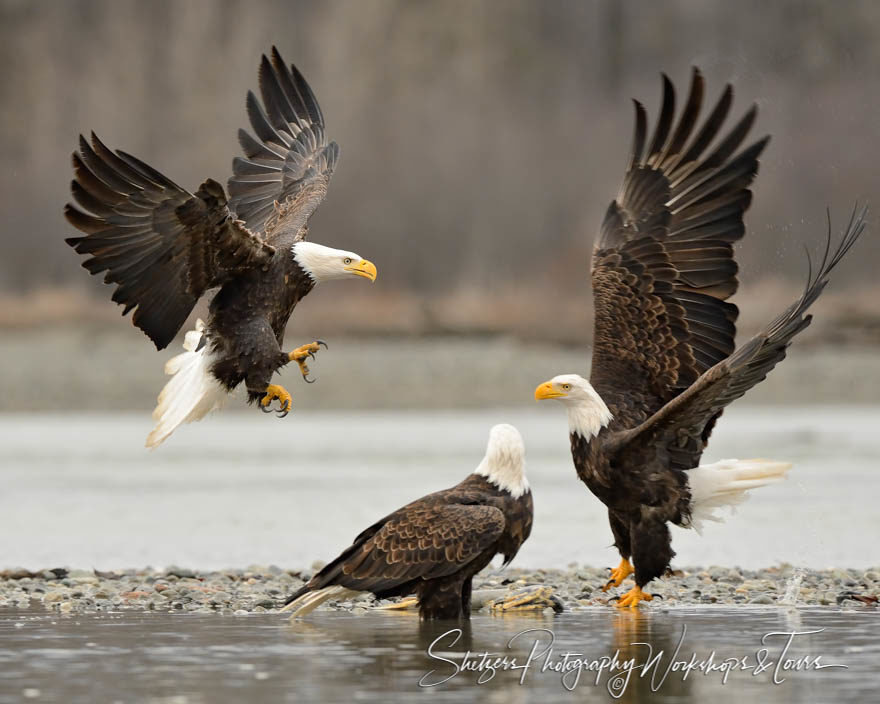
(242, 489)
(383, 657)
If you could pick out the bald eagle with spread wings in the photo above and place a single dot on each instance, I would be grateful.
(435, 545)
(664, 360)
(165, 247)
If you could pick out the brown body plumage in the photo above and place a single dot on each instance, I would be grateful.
(434, 546)
(664, 361)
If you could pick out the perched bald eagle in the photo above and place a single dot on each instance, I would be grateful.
(664, 361)
(434, 546)
(165, 247)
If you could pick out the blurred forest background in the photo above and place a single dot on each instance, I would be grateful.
(481, 143)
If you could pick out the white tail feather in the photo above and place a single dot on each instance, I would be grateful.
(191, 393)
(725, 483)
(310, 601)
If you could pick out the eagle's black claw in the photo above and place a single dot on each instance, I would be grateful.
(265, 409)
(284, 409)
(321, 342)
(657, 596)
(307, 380)
(615, 598)
(312, 355)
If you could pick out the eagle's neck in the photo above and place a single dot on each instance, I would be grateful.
(506, 471)
(297, 278)
(586, 418)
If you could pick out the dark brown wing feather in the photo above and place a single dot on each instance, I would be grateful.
(676, 435)
(426, 539)
(288, 162)
(663, 266)
(162, 246)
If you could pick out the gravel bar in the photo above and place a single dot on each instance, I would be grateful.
(261, 589)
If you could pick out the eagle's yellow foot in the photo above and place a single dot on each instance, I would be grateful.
(284, 400)
(633, 597)
(300, 354)
(410, 602)
(530, 599)
(618, 574)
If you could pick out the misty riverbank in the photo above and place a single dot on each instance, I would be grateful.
(114, 368)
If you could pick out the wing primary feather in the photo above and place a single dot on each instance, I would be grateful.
(291, 92)
(261, 123)
(147, 170)
(687, 121)
(664, 122)
(114, 162)
(304, 91)
(704, 183)
(277, 102)
(709, 130)
(102, 171)
(254, 149)
(639, 134)
(734, 138)
(92, 183)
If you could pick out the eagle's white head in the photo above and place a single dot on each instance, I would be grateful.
(587, 412)
(505, 460)
(324, 263)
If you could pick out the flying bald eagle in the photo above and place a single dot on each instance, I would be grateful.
(165, 247)
(664, 361)
(434, 546)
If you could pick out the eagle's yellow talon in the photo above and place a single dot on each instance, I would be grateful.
(273, 392)
(618, 574)
(301, 354)
(633, 597)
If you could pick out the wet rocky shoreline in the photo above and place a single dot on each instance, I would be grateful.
(261, 589)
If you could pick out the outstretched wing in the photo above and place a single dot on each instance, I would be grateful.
(284, 174)
(663, 267)
(425, 540)
(162, 246)
(676, 435)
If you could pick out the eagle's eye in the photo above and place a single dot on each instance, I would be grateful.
(347, 260)
(566, 387)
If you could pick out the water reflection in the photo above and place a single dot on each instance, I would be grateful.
(382, 656)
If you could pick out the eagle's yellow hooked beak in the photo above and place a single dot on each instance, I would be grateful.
(548, 390)
(363, 268)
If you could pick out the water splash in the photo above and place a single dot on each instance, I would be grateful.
(793, 587)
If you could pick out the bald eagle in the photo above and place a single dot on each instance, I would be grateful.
(165, 247)
(434, 546)
(664, 361)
